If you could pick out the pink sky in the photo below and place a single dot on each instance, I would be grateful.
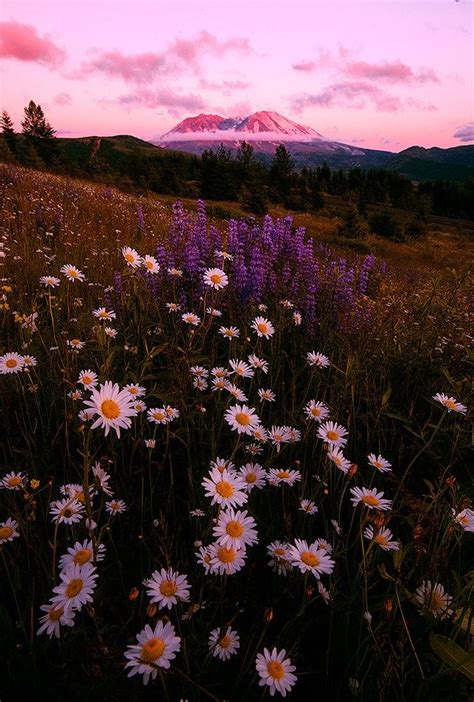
(382, 74)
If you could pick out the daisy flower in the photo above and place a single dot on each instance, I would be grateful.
(150, 264)
(75, 344)
(317, 359)
(242, 419)
(223, 464)
(200, 384)
(82, 553)
(72, 273)
(157, 415)
(451, 404)
(131, 256)
(54, 618)
(241, 368)
(370, 498)
(266, 395)
(308, 506)
(155, 649)
(263, 327)
(219, 372)
(234, 391)
(297, 319)
(323, 545)
(167, 588)
(333, 434)
(277, 476)
(383, 538)
(175, 272)
(171, 412)
(114, 507)
(29, 362)
(253, 476)
(224, 644)
(66, 511)
(224, 255)
(114, 407)
(135, 390)
(275, 671)
(235, 528)
(278, 436)
(49, 281)
(204, 556)
(13, 481)
(382, 465)
(101, 478)
(139, 406)
(86, 415)
(226, 560)
(8, 530)
(226, 488)
(213, 312)
(325, 594)
(316, 410)
(11, 363)
(280, 560)
(310, 558)
(104, 314)
(215, 278)
(465, 518)
(434, 598)
(294, 435)
(260, 434)
(191, 318)
(229, 332)
(110, 331)
(173, 307)
(339, 460)
(199, 371)
(87, 378)
(257, 362)
(150, 443)
(77, 586)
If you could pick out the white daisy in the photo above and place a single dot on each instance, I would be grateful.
(72, 273)
(465, 518)
(224, 643)
(191, 318)
(67, 511)
(150, 264)
(167, 588)
(114, 507)
(155, 649)
(340, 461)
(8, 530)
(101, 478)
(49, 281)
(77, 586)
(333, 434)
(308, 506)
(380, 463)
(132, 257)
(434, 598)
(103, 314)
(259, 363)
(114, 407)
(87, 378)
(275, 671)
(54, 618)
(280, 557)
(11, 362)
(229, 332)
(13, 481)
(157, 415)
(311, 558)
(383, 538)
(317, 359)
(253, 476)
(370, 498)
(135, 390)
(316, 411)
(225, 488)
(266, 395)
(235, 528)
(242, 419)
(215, 278)
(263, 327)
(241, 368)
(277, 476)
(226, 560)
(451, 404)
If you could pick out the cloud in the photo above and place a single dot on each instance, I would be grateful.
(62, 99)
(161, 98)
(23, 43)
(465, 132)
(384, 71)
(225, 85)
(357, 95)
(181, 55)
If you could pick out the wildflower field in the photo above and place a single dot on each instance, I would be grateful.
(233, 463)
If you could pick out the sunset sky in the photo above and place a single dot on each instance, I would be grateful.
(385, 75)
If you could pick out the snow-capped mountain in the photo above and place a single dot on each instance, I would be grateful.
(265, 125)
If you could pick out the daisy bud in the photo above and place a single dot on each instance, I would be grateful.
(309, 592)
(451, 481)
(352, 470)
(368, 618)
(388, 605)
(268, 615)
(34, 484)
(133, 594)
(151, 610)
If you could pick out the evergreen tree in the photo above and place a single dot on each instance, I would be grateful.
(8, 132)
(353, 226)
(280, 175)
(39, 133)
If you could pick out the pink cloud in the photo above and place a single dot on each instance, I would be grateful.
(394, 72)
(181, 55)
(63, 99)
(162, 98)
(355, 95)
(226, 85)
(23, 43)
(305, 66)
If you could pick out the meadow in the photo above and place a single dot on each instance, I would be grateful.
(234, 456)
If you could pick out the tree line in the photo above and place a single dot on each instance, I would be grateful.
(222, 175)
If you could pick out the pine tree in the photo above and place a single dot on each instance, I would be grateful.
(8, 132)
(281, 173)
(39, 134)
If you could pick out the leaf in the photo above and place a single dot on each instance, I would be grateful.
(452, 654)
(386, 397)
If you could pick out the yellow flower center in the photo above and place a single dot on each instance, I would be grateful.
(132, 391)
(75, 342)
(226, 555)
(5, 532)
(82, 556)
(450, 404)
(168, 588)
(74, 587)
(11, 363)
(149, 264)
(370, 500)
(315, 411)
(283, 474)
(234, 529)
(13, 482)
(310, 559)
(225, 641)
(86, 380)
(110, 409)
(224, 488)
(262, 328)
(242, 418)
(279, 552)
(159, 415)
(215, 278)
(332, 435)
(104, 314)
(129, 257)
(250, 478)
(72, 273)
(381, 540)
(66, 512)
(56, 613)
(436, 602)
(152, 650)
(275, 670)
